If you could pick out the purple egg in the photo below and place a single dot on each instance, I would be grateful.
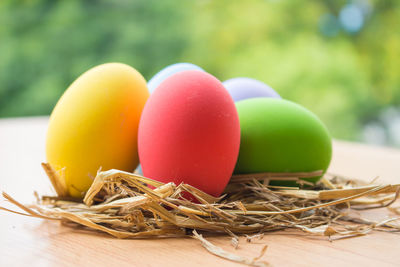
(244, 88)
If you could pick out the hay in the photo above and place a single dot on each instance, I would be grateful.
(122, 204)
(230, 256)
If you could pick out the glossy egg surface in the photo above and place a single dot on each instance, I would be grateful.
(281, 136)
(94, 125)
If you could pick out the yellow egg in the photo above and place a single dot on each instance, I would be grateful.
(95, 124)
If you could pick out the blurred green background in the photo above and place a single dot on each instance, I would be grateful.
(338, 58)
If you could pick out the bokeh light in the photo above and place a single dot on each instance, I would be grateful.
(351, 18)
(340, 59)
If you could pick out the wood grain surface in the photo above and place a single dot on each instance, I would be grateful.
(28, 241)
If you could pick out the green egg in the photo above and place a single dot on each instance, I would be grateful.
(281, 136)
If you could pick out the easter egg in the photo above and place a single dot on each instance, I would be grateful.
(139, 170)
(281, 136)
(189, 132)
(168, 71)
(243, 88)
(94, 125)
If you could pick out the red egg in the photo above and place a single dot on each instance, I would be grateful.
(189, 132)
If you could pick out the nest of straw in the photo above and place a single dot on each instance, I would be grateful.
(123, 205)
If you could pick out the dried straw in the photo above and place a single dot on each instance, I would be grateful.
(230, 256)
(122, 204)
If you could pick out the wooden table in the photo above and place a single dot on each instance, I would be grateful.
(26, 241)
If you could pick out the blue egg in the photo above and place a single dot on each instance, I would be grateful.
(139, 170)
(243, 88)
(168, 71)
